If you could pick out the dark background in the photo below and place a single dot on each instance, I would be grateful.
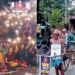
(72, 22)
(40, 16)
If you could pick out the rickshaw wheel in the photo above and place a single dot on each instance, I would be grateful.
(66, 64)
(44, 49)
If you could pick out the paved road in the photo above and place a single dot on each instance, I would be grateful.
(29, 71)
(32, 71)
(70, 71)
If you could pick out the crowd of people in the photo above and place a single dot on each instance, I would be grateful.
(17, 57)
(17, 40)
(64, 37)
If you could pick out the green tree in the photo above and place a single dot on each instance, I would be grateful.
(56, 17)
(56, 10)
(51, 4)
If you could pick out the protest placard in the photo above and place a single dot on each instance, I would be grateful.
(44, 65)
(55, 50)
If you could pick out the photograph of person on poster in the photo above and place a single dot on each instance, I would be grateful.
(45, 65)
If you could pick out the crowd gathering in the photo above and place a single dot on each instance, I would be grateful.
(65, 37)
(17, 57)
(59, 36)
(17, 40)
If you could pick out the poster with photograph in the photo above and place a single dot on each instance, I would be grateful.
(45, 65)
(55, 50)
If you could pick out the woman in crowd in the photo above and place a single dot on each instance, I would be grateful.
(56, 40)
(10, 59)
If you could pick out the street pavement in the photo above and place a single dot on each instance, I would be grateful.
(32, 71)
(29, 71)
(70, 70)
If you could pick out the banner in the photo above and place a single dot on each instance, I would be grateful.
(55, 50)
(44, 65)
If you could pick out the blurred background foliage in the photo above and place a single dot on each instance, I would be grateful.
(54, 10)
